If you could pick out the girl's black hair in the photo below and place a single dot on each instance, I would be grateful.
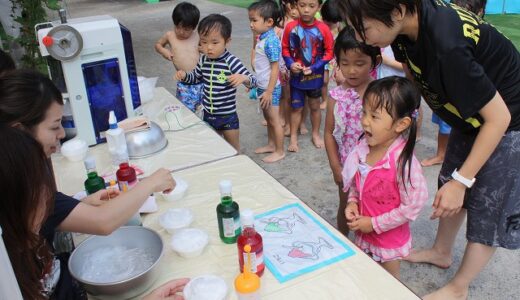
(400, 98)
(215, 22)
(381, 10)
(330, 12)
(186, 15)
(284, 4)
(27, 191)
(347, 41)
(25, 97)
(267, 9)
(474, 6)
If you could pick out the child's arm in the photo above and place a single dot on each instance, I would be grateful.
(352, 208)
(328, 50)
(192, 77)
(273, 51)
(389, 61)
(330, 143)
(161, 49)
(241, 74)
(290, 63)
(413, 199)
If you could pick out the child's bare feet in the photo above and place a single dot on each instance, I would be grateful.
(265, 149)
(323, 105)
(293, 146)
(303, 129)
(317, 141)
(436, 160)
(449, 291)
(274, 157)
(430, 256)
(264, 122)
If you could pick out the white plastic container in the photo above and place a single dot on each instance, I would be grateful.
(178, 192)
(116, 141)
(189, 242)
(206, 287)
(74, 150)
(176, 218)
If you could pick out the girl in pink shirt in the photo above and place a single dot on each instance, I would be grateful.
(387, 187)
(343, 118)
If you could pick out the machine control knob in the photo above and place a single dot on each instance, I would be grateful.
(47, 41)
(66, 42)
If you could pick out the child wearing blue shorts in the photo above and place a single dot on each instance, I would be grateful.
(264, 15)
(220, 73)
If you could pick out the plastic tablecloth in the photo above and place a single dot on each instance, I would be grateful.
(357, 277)
(192, 143)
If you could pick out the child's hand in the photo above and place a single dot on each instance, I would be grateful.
(307, 71)
(167, 54)
(266, 99)
(296, 68)
(351, 211)
(338, 179)
(237, 79)
(180, 75)
(363, 224)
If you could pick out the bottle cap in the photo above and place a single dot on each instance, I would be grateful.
(90, 163)
(247, 217)
(112, 120)
(225, 186)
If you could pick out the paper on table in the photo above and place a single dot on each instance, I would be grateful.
(295, 242)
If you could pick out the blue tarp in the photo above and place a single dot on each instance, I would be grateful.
(503, 6)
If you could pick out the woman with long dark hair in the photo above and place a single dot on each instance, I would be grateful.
(469, 74)
(27, 191)
(31, 102)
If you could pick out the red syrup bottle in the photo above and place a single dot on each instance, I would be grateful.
(249, 236)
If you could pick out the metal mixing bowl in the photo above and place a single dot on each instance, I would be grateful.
(129, 237)
(143, 143)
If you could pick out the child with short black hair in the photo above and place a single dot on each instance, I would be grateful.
(343, 119)
(180, 46)
(306, 48)
(264, 15)
(220, 72)
(331, 17)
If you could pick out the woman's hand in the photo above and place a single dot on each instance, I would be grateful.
(448, 200)
(161, 181)
(168, 290)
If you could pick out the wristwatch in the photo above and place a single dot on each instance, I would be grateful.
(467, 182)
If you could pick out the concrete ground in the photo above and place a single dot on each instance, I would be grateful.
(307, 173)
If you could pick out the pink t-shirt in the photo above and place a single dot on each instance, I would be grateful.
(347, 119)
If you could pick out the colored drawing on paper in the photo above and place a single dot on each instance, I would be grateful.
(296, 243)
(282, 225)
(308, 250)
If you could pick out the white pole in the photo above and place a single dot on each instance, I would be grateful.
(8, 284)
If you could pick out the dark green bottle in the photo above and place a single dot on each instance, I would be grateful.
(94, 182)
(228, 215)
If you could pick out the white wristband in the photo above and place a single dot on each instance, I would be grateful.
(466, 182)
